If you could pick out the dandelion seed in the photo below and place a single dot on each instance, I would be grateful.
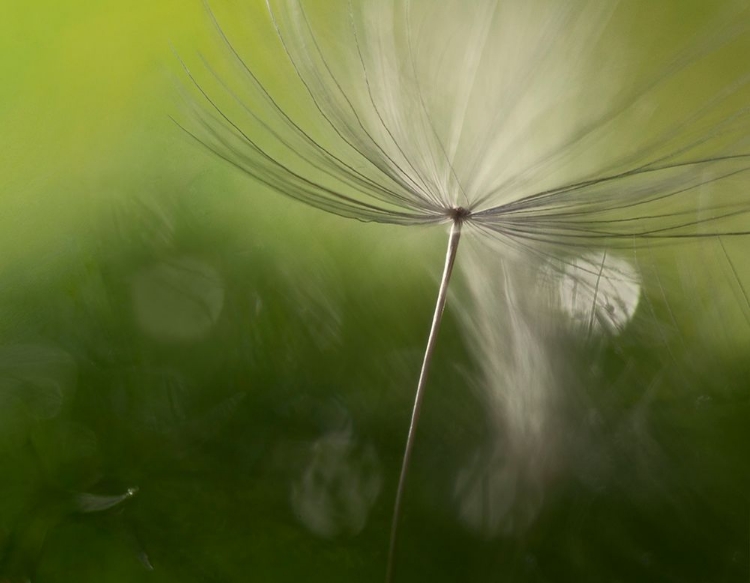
(86, 502)
(496, 119)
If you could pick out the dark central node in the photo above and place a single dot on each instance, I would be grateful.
(459, 213)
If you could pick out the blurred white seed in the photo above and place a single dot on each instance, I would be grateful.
(178, 300)
(599, 291)
(339, 485)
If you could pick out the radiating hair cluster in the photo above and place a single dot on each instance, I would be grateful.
(531, 117)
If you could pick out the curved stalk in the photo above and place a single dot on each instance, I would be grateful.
(450, 258)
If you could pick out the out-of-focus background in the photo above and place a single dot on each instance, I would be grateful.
(202, 381)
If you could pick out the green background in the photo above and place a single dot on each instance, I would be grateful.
(167, 325)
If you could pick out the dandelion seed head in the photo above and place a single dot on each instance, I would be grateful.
(535, 117)
(564, 151)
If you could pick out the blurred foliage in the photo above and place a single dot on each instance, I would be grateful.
(191, 371)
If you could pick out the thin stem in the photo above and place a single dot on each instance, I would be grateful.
(450, 258)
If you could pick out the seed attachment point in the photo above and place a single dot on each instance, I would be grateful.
(459, 213)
